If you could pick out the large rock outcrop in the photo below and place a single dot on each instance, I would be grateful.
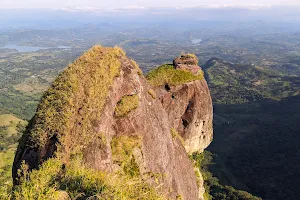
(188, 104)
(102, 100)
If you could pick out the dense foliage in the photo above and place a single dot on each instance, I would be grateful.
(235, 83)
(213, 189)
(257, 147)
(255, 138)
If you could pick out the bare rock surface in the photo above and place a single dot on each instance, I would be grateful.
(187, 62)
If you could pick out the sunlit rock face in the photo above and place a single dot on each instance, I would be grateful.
(189, 107)
(102, 103)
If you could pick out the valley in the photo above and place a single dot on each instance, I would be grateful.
(254, 80)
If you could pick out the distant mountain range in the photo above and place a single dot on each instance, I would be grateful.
(203, 12)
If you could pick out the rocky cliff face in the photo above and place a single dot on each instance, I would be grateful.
(102, 104)
(189, 106)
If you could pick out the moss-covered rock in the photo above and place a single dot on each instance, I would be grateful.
(64, 115)
(123, 153)
(186, 59)
(167, 74)
(126, 104)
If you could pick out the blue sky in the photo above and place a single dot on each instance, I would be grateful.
(109, 4)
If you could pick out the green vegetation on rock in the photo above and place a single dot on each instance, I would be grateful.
(139, 71)
(166, 74)
(122, 152)
(152, 93)
(126, 104)
(176, 135)
(190, 55)
(54, 180)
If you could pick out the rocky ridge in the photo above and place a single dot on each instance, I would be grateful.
(104, 112)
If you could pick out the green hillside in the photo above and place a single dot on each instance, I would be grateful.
(235, 83)
(256, 131)
(11, 129)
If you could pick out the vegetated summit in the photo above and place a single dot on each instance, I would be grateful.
(104, 130)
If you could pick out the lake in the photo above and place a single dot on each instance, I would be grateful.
(30, 48)
(196, 41)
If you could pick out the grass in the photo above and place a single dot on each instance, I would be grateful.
(6, 160)
(10, 130)
(166, 74)
(10, 134)
(9, 127)
(74, 180)
(136, 66)
(7, 119)
(152, 93)
(126, 105)
(175, 135)
(122, 152)
(39, 184)
(189, 55)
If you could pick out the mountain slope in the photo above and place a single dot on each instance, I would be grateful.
(256, 129)
(234, 83)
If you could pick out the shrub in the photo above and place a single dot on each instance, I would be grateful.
(38, 184)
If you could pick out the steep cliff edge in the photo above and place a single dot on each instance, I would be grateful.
(185, 95)
(104, 113)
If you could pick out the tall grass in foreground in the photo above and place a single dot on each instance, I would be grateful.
(54, 180)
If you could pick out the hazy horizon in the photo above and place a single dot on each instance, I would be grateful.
(46, 14)
(115, 4)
